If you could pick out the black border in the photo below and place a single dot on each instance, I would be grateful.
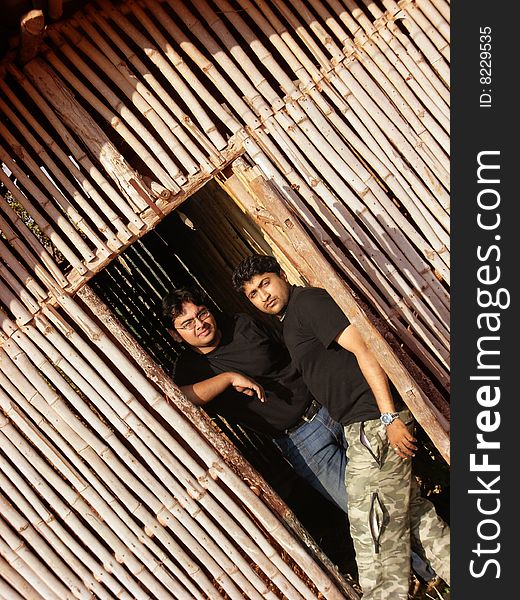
(474, 129)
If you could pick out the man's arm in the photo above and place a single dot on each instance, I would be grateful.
(202, 392)
(400, 438)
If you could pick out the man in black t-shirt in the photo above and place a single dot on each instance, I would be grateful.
(246, 373)
(385, 505)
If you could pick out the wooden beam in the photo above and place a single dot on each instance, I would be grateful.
(55, 8)
(265, 205)
(32, 30)
(62, 99)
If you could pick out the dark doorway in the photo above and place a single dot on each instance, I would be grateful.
(200, 243)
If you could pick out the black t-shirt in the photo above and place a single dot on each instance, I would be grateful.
(311, 323)
(248, 347)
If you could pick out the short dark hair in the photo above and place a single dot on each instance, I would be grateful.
(255, 264)
(172, 303)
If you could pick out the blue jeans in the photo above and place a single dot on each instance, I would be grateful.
(317, 453)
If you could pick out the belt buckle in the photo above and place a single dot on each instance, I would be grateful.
(304, 418)
(312, 406)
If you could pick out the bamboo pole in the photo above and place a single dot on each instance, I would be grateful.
(376, 42)
(375, 97)
(39, 473)
(158, 92)
(364, 151)
(53, 542)
(134, 507)
(233, 47)
(261, 51)
(55, 562)
(431, 26)
(400, 166)
(51, 273)
(44, 225)
(387, 61)
(207, 67)
(425, 48)
(381, 147)
(318, 272)
(78, 120)
(10, 544)
(377, 120)
(424, 36)
(118, 73)
(156, 270)
(410, 112)
(127, 125)
(439, 21)
(375, 141)
(46, 523)
(111, 565)
(81, 123)
(21, 292)
(282, 40)
(378, 30)
(181, 85)
(7, 592)
(184, 528)
(304, 35)
(17, 582)
(80, 158)
(443, 7)
(156, 575)
(24, 180)
(20, 271)
(331, 128)
(20, 565)
(385, 73)
(363, 184)
(56, 173)
(229, 45)
(32, 30)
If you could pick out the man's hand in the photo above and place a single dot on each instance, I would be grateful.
(246, 386)
(401, 440)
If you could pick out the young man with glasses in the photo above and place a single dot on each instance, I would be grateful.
(240, 367)
(385, 507)
(246, 372)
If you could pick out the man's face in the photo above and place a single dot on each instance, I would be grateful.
(269, 292)
(196, 326)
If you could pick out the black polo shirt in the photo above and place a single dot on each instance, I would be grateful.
(311, 323)
(248, 347)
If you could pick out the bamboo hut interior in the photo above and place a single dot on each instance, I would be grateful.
(147, 144)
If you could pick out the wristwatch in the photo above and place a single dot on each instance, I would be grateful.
(387, 418)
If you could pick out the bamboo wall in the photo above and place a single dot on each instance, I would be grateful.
(109, 490)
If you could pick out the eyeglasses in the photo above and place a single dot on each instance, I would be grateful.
(200, 316)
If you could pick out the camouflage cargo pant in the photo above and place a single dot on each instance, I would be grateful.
(385, 506)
